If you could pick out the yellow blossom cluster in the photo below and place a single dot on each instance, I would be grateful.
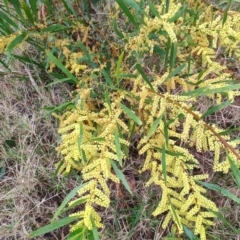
(167, 120)
(87, 145)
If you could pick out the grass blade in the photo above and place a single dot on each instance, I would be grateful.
(206, 91)
(154, 127)
(80, 137)
(67, 80)
(125, 9)
(8, 20)
(119, 62)
(168, 46)
(17, 6)
(107, 78)
(144, 76)
(52, 226)
(71, 8)
(235, 171)
(221, 190)
(75, 204)
(27, 60)
(189, 233)
(226, 12)
(164, 165)
(116, 29)
(86, 53)
(175, 72)
(61, 66)
(165, 130)
(33, 4)
(15, 42)
(167, 5)
(224, 220)
(28, 12)
(121, 176)
(153, 9)
(118, 148)
(66, 200)
(175, 216)
(54, 28)
(2, 171)
(94, 230)
(76, 234)
(86, 8)
(131, 115)
(173, 55)
(214, 109)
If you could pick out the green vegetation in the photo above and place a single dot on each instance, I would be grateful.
(140, 135)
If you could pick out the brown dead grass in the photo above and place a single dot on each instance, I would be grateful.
(29, 192)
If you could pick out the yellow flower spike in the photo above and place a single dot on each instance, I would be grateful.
(198, 225)
(92, 150)
(203, 234)
(167, 219)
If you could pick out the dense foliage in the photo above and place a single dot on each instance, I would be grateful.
(144, 77)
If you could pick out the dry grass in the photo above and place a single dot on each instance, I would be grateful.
(29, 192)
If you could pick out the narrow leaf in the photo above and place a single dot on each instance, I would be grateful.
(66, 6)
(86, 8)
(67, 80)
(168, 47)
(164, 165)
(54, 28)
(53, 226)
(116, 29)
(176, 71)
(16, 4)
(71, 8)
(121, 176)
(2, 171)
(173, 55)
(94, 230)
(16, 41)
(125, 9)
(84, 156)
(153, 9)
(224, 220)
(76, 234)
(33, 4)
(28, 12)
(27, 60)
(61, 66)
(118, 148)
(154, 127)
(235, 171)
(221, 190)
(206, 91)
(165, 129)
(189, 233)
(144, 76)
(75, 204)
(66, 200)
(131, 114)
(119, 62)
(175, 215)
(214, 109)
(226, 12)
(107, 78)
(7, 19)
(167, 5)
